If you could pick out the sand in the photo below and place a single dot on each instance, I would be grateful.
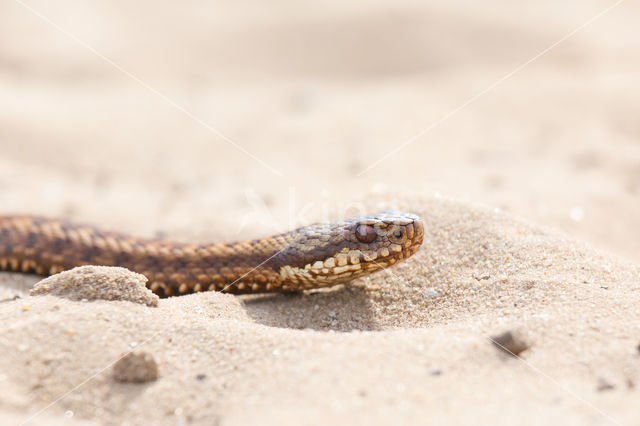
(411, 345)
(281, 115)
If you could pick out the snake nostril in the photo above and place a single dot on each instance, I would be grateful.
(366, 233)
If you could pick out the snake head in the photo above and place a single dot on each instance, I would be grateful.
(323, 255)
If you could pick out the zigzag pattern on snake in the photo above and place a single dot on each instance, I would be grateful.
(313, 256)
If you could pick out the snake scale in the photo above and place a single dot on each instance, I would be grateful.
(314, 256)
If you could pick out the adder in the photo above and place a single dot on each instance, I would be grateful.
(314, 256)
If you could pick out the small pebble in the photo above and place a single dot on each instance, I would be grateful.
(135, 368)
(512, 342)
(604, 385)
(431, 292)
(201, 377)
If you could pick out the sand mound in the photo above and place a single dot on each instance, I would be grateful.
(97, 283)
(474, 262)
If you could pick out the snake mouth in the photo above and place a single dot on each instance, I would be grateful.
(418, 226)
(413, 248)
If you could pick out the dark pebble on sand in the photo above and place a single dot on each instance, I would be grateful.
(135, 368)
(512, 342)
(605, 385)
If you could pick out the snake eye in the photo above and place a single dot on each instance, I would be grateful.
(397, 233)
(365, 233)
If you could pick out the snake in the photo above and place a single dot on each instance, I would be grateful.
(310, 257)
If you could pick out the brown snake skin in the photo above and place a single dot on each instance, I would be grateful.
(314, 256)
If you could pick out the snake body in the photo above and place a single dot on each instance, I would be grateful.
(313, 256)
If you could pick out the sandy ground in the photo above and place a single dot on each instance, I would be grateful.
(232, 120)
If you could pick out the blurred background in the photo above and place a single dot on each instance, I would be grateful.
(193, 119)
